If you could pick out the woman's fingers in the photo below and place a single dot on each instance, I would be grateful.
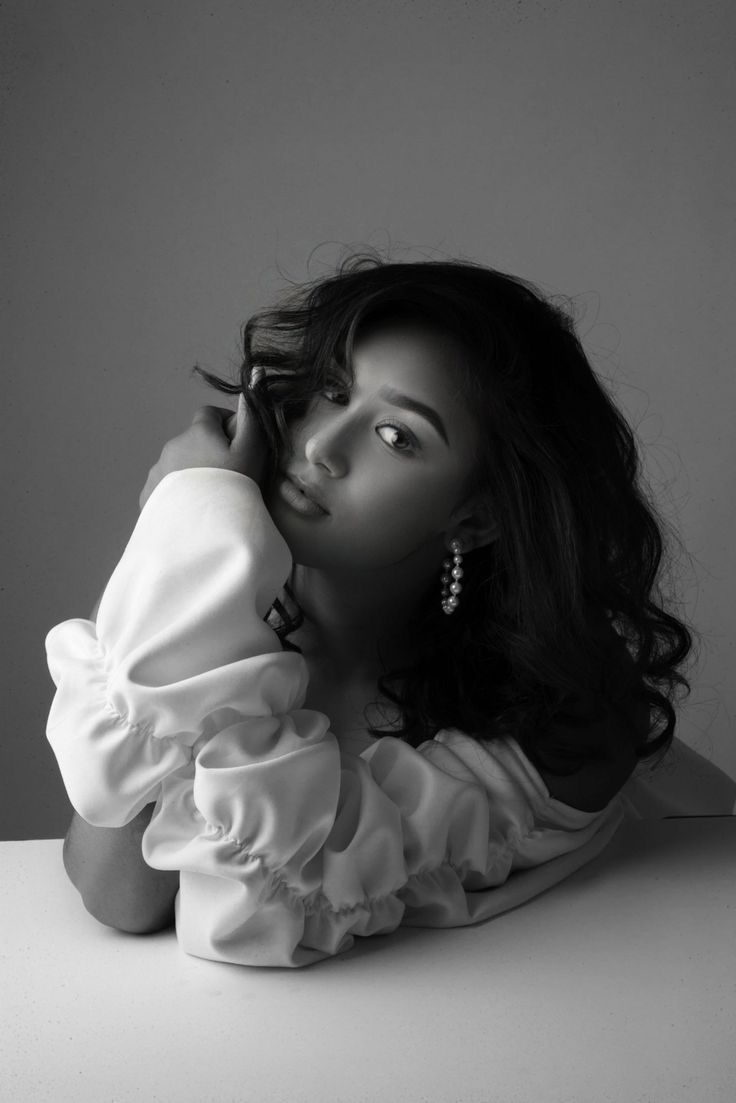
(211, 415)
(247, 442)
(217, 437)
(238, 424)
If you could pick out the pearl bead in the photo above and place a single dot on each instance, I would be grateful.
(451, 572)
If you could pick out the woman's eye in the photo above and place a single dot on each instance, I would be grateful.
(337, 395)
(397, 438)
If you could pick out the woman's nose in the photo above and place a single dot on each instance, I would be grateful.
(327, 447)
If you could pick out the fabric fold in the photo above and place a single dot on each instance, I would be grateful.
(289, 843)
(179, 650)
(333, 846)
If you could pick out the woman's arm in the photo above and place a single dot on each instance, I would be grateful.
(289, 848)
(286, 848)
(113, 737)
(106, 866)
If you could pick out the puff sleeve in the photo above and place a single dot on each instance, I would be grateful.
(289, 848)
(179, 646)
(288, 844)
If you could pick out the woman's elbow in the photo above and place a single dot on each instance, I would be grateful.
(135, 921)
(128, 912)
(119, 892)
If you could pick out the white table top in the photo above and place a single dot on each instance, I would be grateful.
(617, 985)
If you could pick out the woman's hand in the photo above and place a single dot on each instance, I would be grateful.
(217, 437)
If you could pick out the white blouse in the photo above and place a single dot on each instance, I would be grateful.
(289, 841)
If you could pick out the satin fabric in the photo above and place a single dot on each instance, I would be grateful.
(290, 842)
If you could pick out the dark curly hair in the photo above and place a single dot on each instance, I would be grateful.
(562, 621)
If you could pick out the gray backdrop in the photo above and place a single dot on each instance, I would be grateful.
(166, 160)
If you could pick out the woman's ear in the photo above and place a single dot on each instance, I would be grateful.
(473, 524)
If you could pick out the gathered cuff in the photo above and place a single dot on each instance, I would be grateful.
(180, 648)
(116, 739)
(111, 765)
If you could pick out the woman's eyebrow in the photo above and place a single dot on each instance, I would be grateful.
(406, 402)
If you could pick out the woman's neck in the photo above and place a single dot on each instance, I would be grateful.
(351, 617)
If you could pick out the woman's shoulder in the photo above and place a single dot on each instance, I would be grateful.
(592, 787)
(587, 764)
(589, 752)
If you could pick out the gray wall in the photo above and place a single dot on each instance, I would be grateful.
(167, 159)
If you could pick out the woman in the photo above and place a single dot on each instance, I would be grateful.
(386, 646)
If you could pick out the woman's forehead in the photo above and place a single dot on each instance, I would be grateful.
(427, 357)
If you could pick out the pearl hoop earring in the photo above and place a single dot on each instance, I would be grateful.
(452, 572)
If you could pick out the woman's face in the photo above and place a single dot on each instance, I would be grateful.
(387, 460)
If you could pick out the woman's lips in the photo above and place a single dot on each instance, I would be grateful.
(291, 492)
